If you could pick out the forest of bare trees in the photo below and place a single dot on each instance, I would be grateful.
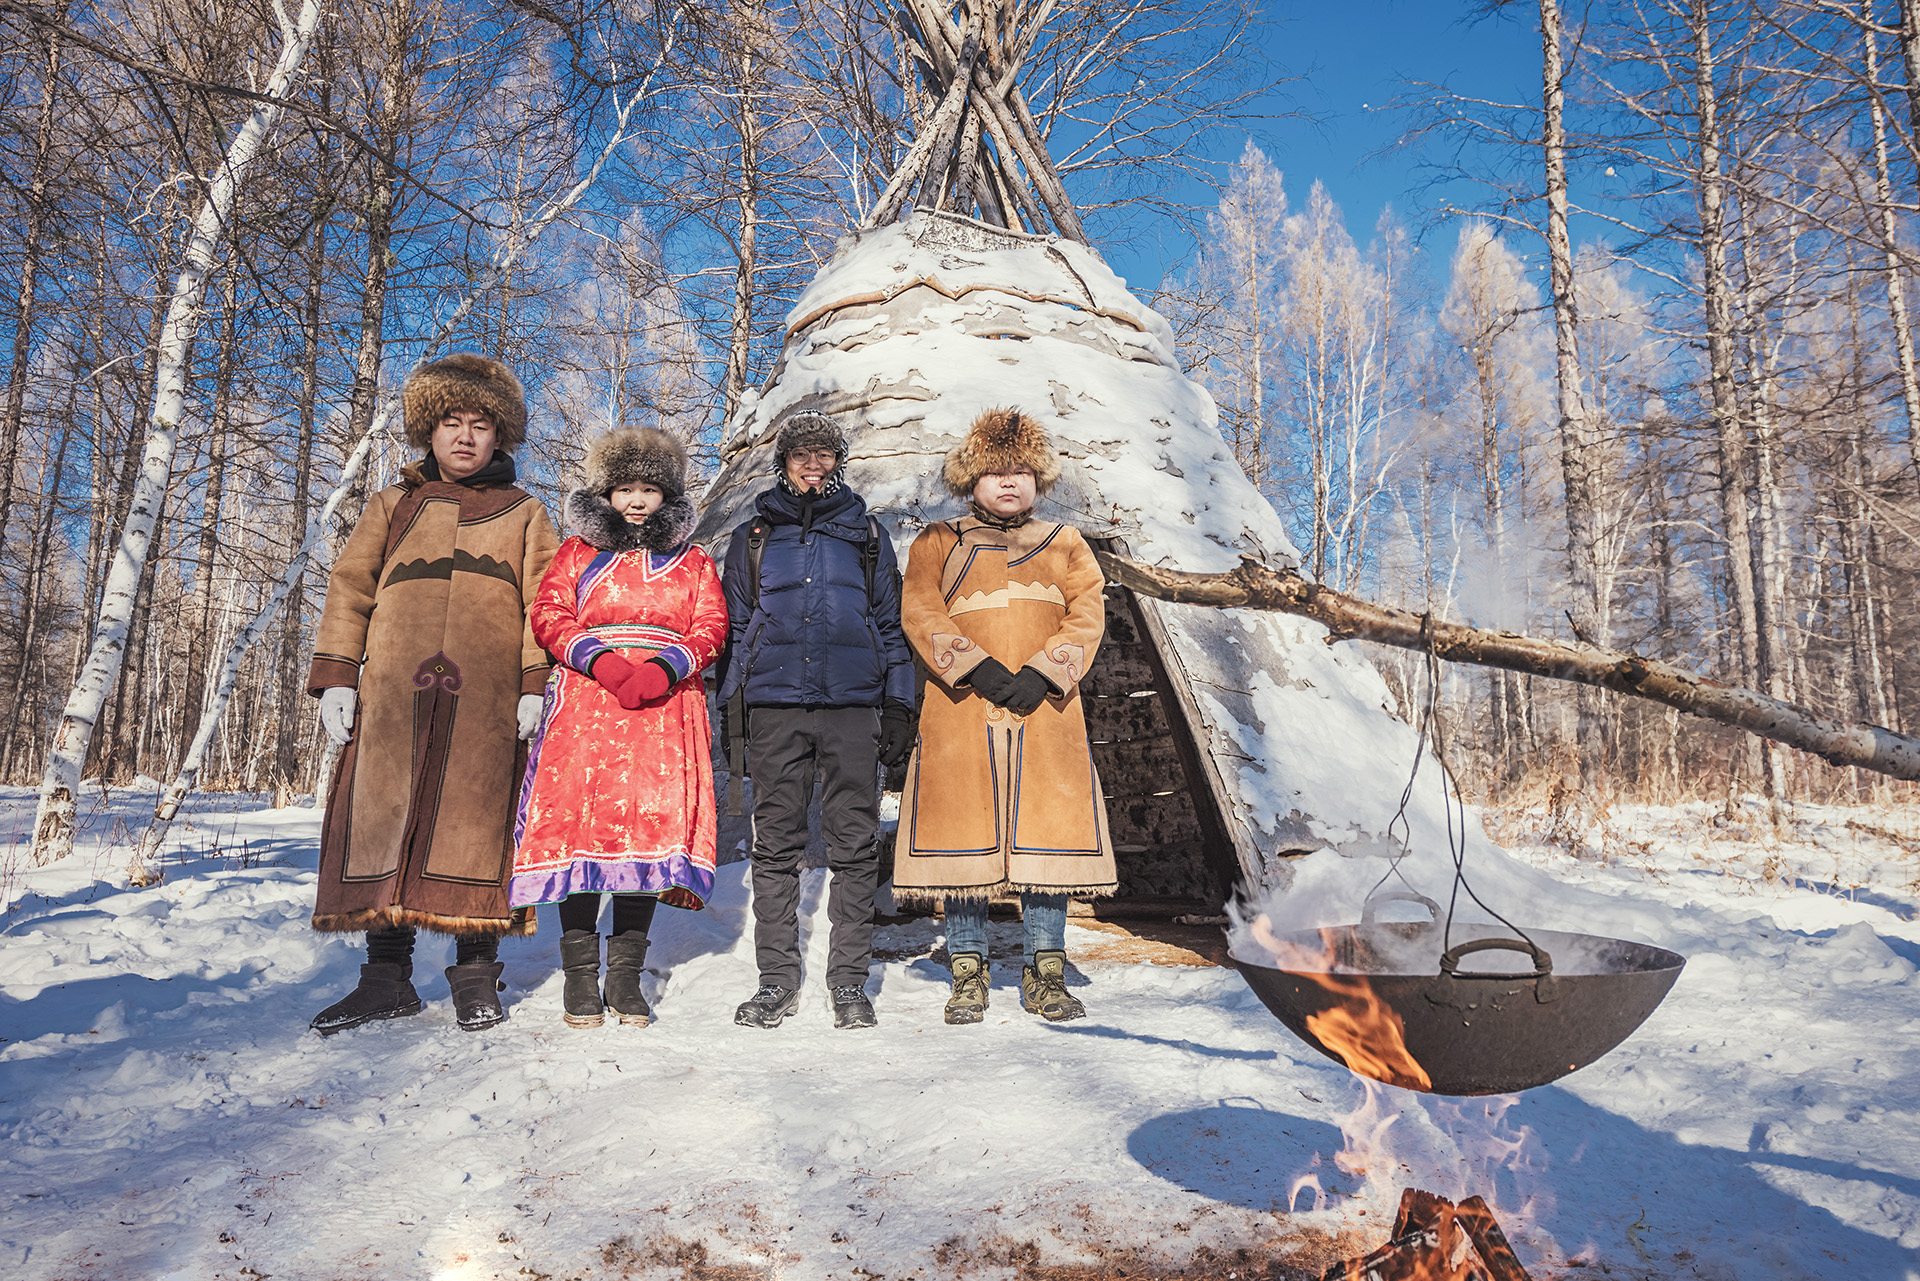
(1654, 385)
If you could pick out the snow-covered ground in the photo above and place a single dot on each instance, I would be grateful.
(167, 1114)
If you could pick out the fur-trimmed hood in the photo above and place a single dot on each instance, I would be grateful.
(1001, 440)
(637, 456)
(591, 516)
(464, 380)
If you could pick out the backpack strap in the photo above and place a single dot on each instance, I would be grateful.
(757, 534)
(870, 556)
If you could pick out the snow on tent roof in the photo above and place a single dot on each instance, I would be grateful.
(915, 327)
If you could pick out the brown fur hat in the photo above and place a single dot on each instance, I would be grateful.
(470, 381)
(1002, 440)
(633, 455)
(637, 455)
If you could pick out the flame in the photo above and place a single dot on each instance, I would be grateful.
(1362, 1031)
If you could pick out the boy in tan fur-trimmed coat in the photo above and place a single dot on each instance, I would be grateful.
(1004, 611)
(426, 673)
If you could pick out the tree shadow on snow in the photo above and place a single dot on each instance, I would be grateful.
(1192, 1047)
(1240, 1153)
(1586, 1176)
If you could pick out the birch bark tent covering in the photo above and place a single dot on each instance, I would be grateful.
(1229, 741)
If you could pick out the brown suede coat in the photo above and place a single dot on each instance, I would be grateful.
(993, 800)
(426, 615)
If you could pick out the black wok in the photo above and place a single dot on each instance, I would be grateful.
(1477, 1026)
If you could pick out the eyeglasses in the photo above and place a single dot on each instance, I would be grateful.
(825, 457)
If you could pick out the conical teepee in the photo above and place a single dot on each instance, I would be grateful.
(1229, 742)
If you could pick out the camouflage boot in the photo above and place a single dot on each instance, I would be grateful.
(968, 1004)
(1043, 988)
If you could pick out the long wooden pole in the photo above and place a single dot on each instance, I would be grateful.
(1257, 586)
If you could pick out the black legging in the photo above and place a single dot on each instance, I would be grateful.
(632, 913)
(393, 944)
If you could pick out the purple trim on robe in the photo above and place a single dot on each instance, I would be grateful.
(556, 683)
(597, 568)
(612, 874)
(679, 658)
(582, 650)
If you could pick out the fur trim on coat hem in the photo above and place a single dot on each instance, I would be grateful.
(931, 895)
(591, 516)
(521, 922)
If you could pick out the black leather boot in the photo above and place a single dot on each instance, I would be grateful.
(385, 992)
(626, 953)
(476, 993)
(580, 962)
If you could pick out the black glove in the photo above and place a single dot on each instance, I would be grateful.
(991, 680)
(1026, 691)
(726, 736)
(896, 733)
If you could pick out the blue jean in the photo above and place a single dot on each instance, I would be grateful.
(1044, 915)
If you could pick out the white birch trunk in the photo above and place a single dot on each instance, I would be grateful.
(1896, 294)
(145, 868)
(53, 825)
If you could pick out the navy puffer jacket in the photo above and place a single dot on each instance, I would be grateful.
(813, 641)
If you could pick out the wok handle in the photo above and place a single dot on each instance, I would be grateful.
(1368, 908)
(1542, 962)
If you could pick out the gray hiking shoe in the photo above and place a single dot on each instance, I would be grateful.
(1043, 988)
(968, 1004)
(768, 1007)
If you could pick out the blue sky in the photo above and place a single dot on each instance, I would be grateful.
(1355, 57)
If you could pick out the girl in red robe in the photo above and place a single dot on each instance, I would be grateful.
(618, 796)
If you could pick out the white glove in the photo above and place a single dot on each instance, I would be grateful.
(530, 708)
(336, 713)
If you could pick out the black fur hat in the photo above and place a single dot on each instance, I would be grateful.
(633, 455)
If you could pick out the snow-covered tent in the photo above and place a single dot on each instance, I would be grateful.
(1228, 741)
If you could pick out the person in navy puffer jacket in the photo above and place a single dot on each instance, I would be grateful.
(828, 682)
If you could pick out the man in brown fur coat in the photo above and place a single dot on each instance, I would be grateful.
(426, 672)
(1004, 611)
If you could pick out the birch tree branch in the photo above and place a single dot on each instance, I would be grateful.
(54, 820)
(1256, 586)
(145, 867)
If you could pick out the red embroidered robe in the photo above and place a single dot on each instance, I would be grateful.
(619, 801)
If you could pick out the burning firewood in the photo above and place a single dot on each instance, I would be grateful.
(1435, 1240)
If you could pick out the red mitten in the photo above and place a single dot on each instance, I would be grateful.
(648, 682)
(612, 671)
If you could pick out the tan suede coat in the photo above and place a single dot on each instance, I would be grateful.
(426, 615)
(993, 800)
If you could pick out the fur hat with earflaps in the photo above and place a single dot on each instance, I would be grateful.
(470, 381)
(633, 456)
(1001, 440)
(808, 430)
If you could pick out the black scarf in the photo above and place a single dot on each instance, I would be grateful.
(498, 471)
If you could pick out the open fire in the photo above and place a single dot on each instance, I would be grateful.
(1434, 1239)
(1359, 1029)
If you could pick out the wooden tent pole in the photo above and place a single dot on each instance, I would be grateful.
(1256, 586)
(1008, 134)
(910, 167)
(940, 165)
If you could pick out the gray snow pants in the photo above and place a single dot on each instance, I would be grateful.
(783, 746)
